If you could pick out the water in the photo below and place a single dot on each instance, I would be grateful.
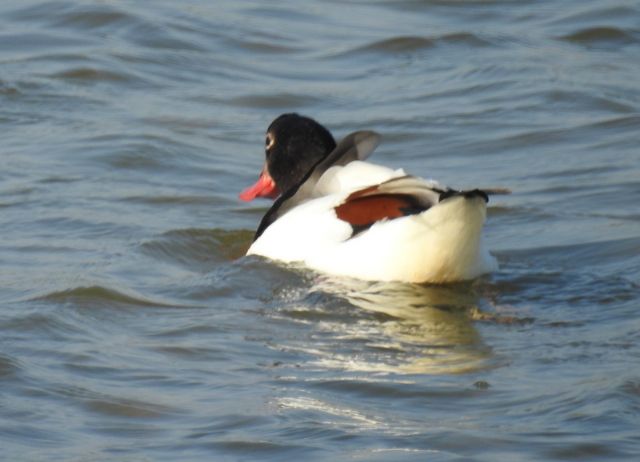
(132, 329)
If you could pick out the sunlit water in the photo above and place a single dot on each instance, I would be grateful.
(131, 328)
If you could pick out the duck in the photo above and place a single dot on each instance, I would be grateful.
(339, 214)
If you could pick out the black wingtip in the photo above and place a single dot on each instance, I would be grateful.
(467, 194)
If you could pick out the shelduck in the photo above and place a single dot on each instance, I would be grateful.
(336, 213)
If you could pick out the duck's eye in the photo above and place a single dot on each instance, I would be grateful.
(268, 142)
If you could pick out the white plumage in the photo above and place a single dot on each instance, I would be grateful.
(441, 244)
(353, 218)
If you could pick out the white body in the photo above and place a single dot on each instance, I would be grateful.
(442, 244)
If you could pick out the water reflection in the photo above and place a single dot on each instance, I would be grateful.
(396, 328)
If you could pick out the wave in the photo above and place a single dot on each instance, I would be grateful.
(602, 36)
(99, 295)
(89, 74)
(199, 248)
(284, 101)
(8, 366)
(402, 44)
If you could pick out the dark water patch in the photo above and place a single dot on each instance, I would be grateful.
(628, 394)
(67, 14)
(255, 447)
(399, 390)
(502, 318)
(631, 388)
(192, 353)
(465, 39)
(586, 450)
(410, 44)
(92, 17)
(135, 156)
(230, 422)
(603, 37)
(59, 178)
(162, 201)
(199, 249)
(126, 408)
(9, 367)
(267, 47)
(95, 296)
(398, 44)
(563, 324)
(90, 75)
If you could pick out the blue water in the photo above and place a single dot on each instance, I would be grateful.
(132, 327)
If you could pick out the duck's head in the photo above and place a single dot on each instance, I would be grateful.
(294, 144)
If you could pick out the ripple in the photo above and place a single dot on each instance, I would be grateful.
(631, 388)
(67, 14)
(404, 329)
(91, 75)
(98, 295)
(589, 254)
(397, 44)
(399, 390)
(126, 408)
(200, 249)
(284, 101)
(247, 447)
(19, 43)
(126, 127)
(93, 17)
(43, 325)
(405, 44)
(160, 38)
(584, 451)
(8, 367)
(263, 47)
(8, 89)
(602, 37)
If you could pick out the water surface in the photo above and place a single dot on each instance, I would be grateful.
(131, 327)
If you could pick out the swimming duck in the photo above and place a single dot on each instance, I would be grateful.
(336, 213)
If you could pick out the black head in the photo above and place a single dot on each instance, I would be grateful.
(294, 144)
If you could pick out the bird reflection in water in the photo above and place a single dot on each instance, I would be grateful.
(394, 327)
